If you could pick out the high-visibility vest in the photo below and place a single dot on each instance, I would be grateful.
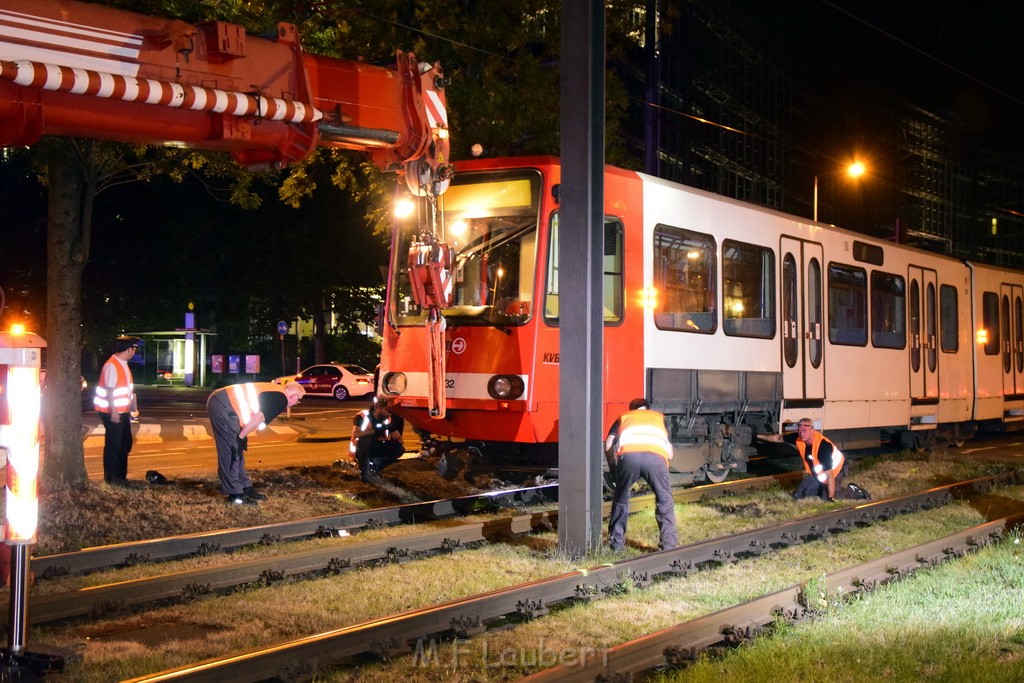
(811, 464)
(245, 400)
(117, 399)
(365, 420)
(643, 431)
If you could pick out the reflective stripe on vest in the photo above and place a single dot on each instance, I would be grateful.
(362, 425)
(119, 397)
(353, 443)
(245, 400)
(643, 431)
(814, 466)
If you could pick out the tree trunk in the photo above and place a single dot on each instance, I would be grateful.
(69, 208)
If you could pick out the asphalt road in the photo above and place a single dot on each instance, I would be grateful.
(173, 435)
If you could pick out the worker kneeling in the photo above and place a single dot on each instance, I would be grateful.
(824, 464)
(376, 440)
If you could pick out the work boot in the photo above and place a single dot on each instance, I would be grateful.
(239, 499)
(370, 475)
(253, 494)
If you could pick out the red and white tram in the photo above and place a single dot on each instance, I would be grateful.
(731, 319)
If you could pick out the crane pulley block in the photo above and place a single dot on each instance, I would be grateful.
(430, 272)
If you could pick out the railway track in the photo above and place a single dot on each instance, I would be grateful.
(90, 560)
(120, 596)
(307, 657)
(175, 547)
(681, 644)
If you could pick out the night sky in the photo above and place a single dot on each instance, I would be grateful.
(958, 58)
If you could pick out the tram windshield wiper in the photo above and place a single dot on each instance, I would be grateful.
(490, 242)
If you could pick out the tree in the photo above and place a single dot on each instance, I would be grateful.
(72, 177)
(501, 61)
(77, 172)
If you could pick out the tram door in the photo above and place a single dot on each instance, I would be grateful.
(803, 348)
(1011, 333)
(924, 360)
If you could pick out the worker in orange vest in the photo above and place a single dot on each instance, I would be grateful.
(116, 404)
(639, 443)
(235, 412)
(824, 464)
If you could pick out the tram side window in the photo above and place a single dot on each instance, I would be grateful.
(847, 305)
(612, 273)
(888, 310)
(949, 319)
(990, 318)
(748, 290)
(684, 275)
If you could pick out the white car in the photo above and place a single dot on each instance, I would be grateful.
(340, 380)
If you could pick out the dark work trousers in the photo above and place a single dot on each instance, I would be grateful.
(230, 449)
(810, 487)
(629, 468)
(373, 455)
(117, 444)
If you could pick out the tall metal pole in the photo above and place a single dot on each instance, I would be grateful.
(17, 625)
(652, 91)
(581, 235)
(815, 199)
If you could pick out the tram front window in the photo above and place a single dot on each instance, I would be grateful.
(490, 221)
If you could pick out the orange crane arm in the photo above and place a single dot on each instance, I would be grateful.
(74, 69)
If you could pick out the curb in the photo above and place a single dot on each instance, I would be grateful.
(312, 437)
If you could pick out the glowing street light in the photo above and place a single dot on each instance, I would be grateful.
(856, 169)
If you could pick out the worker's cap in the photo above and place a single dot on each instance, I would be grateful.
(124, 343)
(638, 403)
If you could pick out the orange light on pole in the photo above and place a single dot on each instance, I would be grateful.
(854, 170)
(20, 355)
(20, 439)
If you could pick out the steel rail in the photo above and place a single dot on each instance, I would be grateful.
(174, 547)
(681, 644)
(303, 658)
(117, 597)
(190, 584)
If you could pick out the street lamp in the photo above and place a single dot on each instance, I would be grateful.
(854, 170)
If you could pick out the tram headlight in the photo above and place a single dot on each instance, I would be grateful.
(505, 387)
(394, 384)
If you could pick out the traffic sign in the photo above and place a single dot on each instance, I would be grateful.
(282, 327)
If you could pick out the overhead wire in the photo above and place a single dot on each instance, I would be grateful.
(923, 53)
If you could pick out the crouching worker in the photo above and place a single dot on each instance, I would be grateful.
(641, 447)
(236, 411)
(824, 464)
(376, 440)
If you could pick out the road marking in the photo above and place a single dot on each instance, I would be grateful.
(148, 433)
(196, 432)
(278, 429)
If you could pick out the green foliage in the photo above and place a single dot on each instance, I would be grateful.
(252, 248)
(816, 596)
